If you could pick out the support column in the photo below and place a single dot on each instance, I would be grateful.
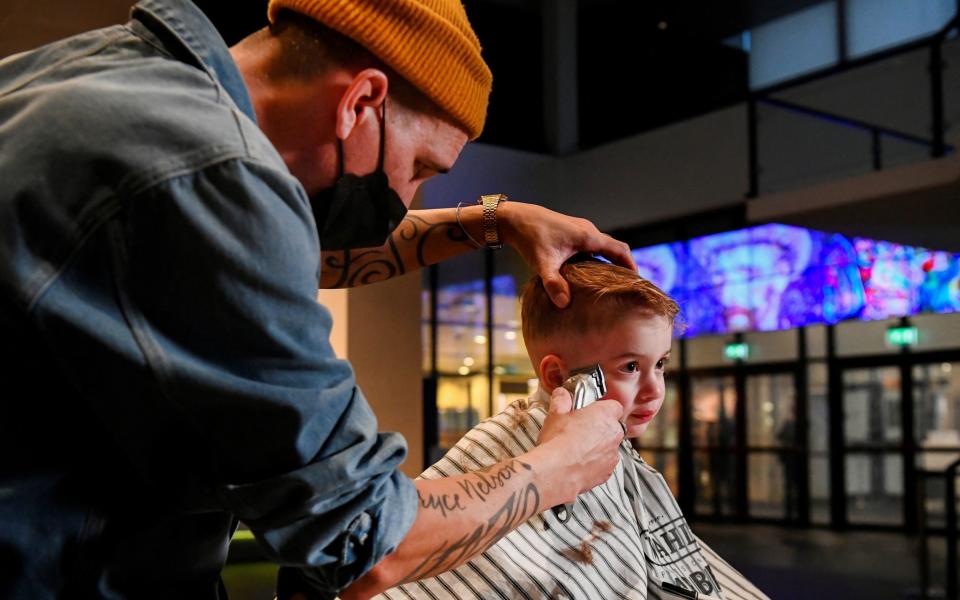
(560, 111)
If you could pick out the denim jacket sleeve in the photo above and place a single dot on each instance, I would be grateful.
(218, 377)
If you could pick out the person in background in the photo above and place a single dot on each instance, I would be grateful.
(626, 538)
(169, 207)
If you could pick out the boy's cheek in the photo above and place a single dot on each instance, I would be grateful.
(613, 395)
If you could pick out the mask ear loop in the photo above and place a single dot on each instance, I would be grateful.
(383, 142)
(383, 135)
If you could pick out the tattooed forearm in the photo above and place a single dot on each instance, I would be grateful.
(421, 240)
(519, 507)
(443, 502)
(488, 481)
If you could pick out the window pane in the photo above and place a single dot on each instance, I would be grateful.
(817, 415)
(818, 436)
(819, 488)
(937, 405)
(871, 406)
(662, 431)
(462, 403)
(715, 477)
(462, 317)
(793, 45)
(772, 484)
(714, 417)
(510, 361)
(876, 24)
(875, 488)
(666, 464)
(935, 505)
(771, 417)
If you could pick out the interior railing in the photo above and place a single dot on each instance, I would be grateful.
(936, 143)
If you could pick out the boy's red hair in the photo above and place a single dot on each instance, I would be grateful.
(600, 293)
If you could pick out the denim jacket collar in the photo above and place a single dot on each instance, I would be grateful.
(181, 22)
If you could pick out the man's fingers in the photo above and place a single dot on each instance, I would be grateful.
(617, 252)
(614, 408)
(561, 402)
(557, 288)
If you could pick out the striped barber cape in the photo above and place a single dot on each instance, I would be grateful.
(625, 538)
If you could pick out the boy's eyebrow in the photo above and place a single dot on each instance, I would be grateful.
(629, 354)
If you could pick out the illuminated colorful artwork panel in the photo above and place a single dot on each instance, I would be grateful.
(775, 276)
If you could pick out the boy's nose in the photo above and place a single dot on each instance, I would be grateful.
(651, 388)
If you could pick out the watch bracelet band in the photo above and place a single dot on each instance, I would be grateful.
(491, 233)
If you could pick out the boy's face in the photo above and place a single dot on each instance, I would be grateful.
(633, 354)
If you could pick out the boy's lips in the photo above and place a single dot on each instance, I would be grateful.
(644, 416)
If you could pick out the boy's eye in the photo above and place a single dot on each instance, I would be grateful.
(631, 367)
(662, 363)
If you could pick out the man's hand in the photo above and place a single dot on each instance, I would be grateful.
(588, 440)
(545, 239)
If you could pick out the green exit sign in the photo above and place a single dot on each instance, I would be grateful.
(902, 336)
(736, 351)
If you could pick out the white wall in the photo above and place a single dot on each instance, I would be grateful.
(385, 348)
(686, 167)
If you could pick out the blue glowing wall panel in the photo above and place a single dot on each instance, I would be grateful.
(778, 277)
(793, 45)
(873, 25)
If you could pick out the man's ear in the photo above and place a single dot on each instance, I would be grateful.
(361, 100)
(553, 371)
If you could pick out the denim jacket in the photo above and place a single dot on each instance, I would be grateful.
(166, 367)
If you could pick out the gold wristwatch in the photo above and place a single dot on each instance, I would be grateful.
(491, 234)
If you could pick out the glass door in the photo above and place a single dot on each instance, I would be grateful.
(936, 398)
(873, 435)
(658, 445)
(714, 429)
(773, 474)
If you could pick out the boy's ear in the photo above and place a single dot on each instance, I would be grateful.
(553, 370)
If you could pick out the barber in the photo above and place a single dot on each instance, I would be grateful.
(169, 208)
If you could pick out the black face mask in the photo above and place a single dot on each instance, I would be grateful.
(359, 211)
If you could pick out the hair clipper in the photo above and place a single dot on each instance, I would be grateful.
(586, 386)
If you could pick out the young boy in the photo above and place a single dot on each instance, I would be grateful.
(626, 538)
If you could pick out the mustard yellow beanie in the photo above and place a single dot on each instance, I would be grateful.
(428, 42)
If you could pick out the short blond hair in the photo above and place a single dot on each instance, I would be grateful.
(600, 293)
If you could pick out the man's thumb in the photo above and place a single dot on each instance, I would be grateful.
(561, 402)
(558, 289)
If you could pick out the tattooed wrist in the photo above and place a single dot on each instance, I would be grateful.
(445, 503)
(486, 481)
(518, 507)
(417, 242)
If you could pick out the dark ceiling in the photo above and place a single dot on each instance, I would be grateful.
(642, 64)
